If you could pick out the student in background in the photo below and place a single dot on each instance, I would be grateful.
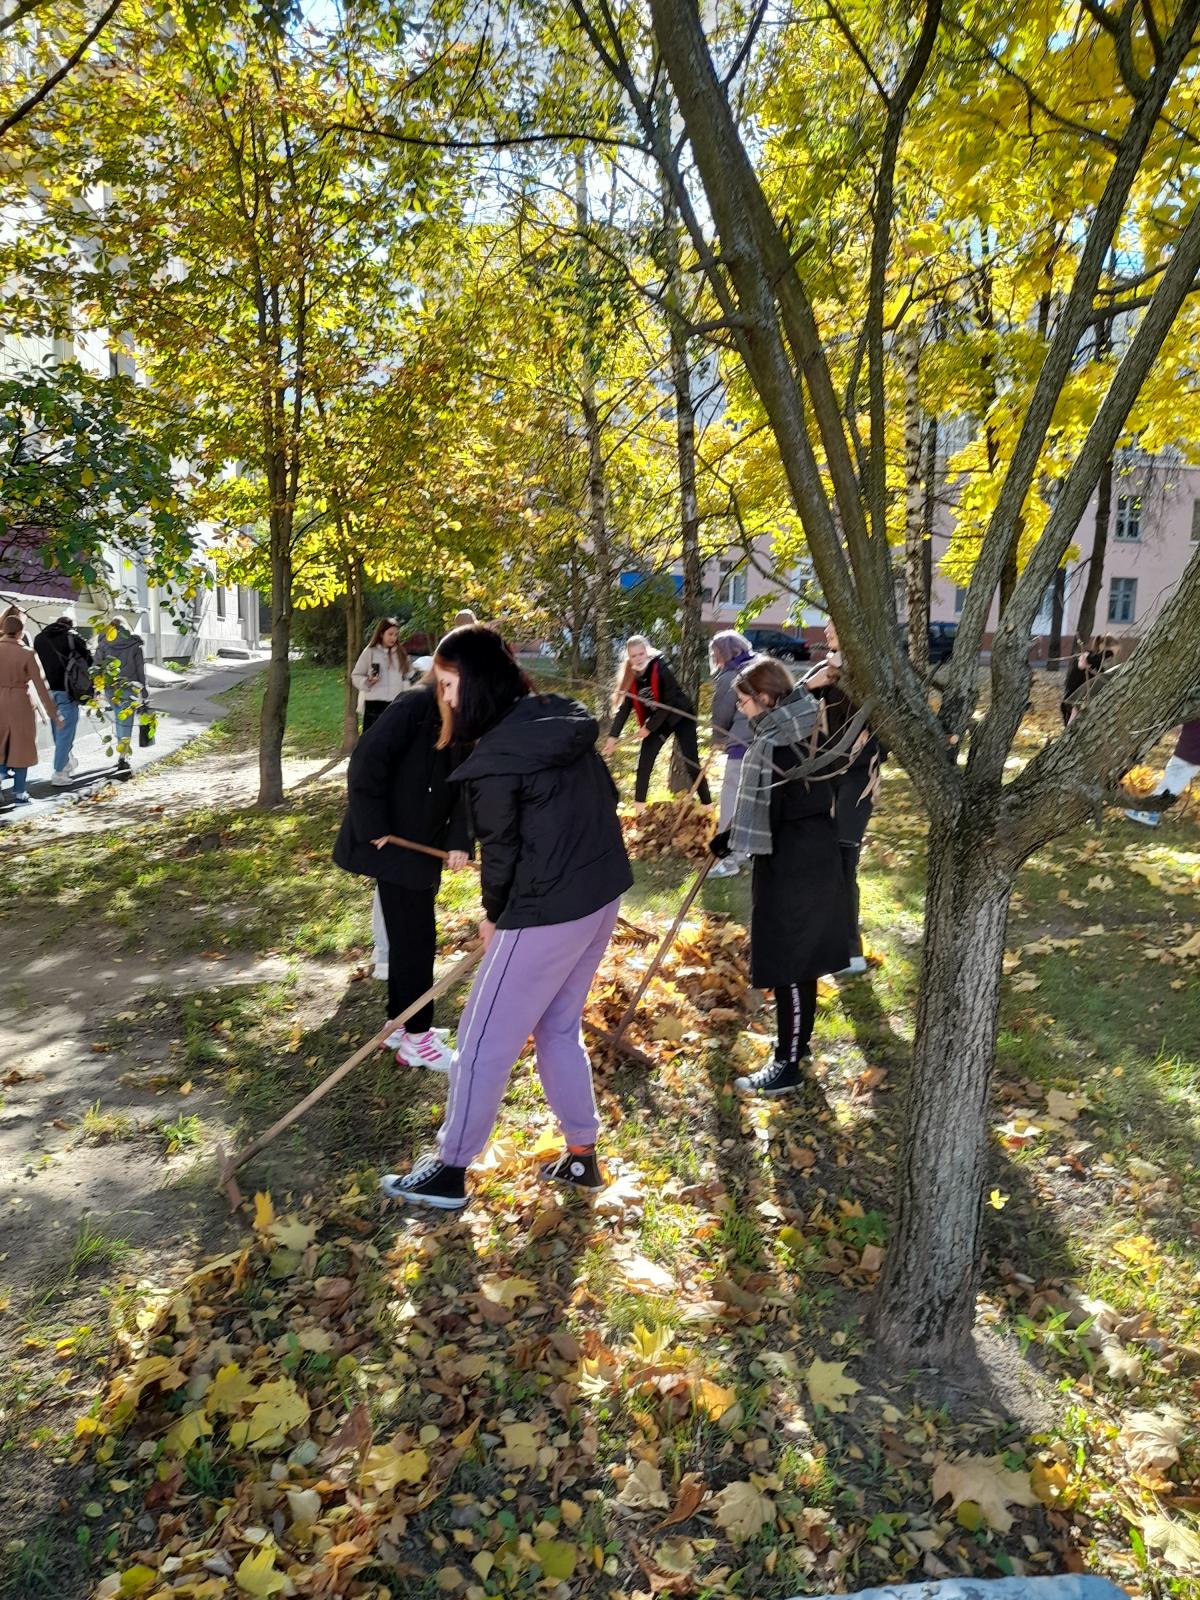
(19, 670)
(120, 658)
(729, 653)
(65, 660)
(382, 672)
(647, 687)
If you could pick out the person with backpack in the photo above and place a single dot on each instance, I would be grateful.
(19, 670)
(67, 664)
(799, 921)
(543, 807)
(120, 658)
(647, 687)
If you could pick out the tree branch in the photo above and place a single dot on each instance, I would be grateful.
(68, 66)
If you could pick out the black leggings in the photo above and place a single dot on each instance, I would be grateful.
(796, 1015)
(412, 945)
(684, 733)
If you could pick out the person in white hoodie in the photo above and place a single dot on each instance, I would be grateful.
(382, 672)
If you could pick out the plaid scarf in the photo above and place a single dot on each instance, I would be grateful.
(789, 723)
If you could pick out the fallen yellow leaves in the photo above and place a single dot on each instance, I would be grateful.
(986, 1483)
(743, 1510)
(385, 1467)
(828, 1385)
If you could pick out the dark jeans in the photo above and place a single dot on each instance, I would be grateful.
(408, 915)
(372, 711)
(684, 733)
(795, 1018)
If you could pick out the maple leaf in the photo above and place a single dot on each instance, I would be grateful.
(643, 1490)
(505, 1291)
(986, 1482)
(556, 1558)
(257, 1575)
(264, 1212)
(1178, 1543)
(187, 1432)
(279, 1407)
(743, 1510)
(827, 1383)
(712, 1398)
(385, 1467)
(1151, 1439)
(520, 1447)
(291, 1233)
(641, 1273)
(229, 1390)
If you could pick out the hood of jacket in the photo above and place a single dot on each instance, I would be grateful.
(541, 730)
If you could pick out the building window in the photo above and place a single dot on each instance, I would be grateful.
(960, 600)
(1122, 600)
(733, 584)
(235, 610)
(220, 603)
(1129, 518)
(1196, 521)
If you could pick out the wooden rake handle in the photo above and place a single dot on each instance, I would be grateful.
(421, 849)
(660, 954)
(452, 976)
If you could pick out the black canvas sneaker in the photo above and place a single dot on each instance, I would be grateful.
(578, 1169)
(430, 1183)
(776, 1078)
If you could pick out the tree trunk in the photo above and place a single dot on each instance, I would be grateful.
(691, 651)
(596, 495)
(915, 586)
(930, 509)
(273, 720)
(926, 1303)
(1057, 609)
(1085, 626)
(354, 644)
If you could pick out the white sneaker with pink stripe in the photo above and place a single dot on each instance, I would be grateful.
(425, 1050)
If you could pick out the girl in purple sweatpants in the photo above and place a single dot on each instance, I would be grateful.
(544, 810)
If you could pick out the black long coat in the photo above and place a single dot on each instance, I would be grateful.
(800, 916)
(398, 783)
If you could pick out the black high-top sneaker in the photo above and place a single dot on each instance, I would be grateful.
(432, 1182)
(776, 1078)
(579, 1169)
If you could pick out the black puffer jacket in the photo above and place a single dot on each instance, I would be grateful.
(56, 643)
(399, 783)
(544, 809)
(655, 691)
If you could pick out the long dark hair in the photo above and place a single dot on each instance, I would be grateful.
(489, 682)
(397, 650)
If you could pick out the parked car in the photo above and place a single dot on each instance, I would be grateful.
(775, 642)
(941, 640)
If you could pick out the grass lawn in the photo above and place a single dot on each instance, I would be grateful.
(671, 1390)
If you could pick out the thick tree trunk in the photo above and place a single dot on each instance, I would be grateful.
(1085, 625)
(926, 1302)
(273, 720)
(354, 644)
(915, 586)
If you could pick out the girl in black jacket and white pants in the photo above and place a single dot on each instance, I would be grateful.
(399, 784)
(543, 808)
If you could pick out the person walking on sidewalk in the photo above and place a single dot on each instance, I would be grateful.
(382, 672)
(398, 784)
(18, 730)
(1179, 772)
(729, 653)
(647, 687)
(120, 658)
(544, 810)
(798, 917)
(67, 663)
(854, 787)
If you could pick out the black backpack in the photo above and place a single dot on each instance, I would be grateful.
(77, 675)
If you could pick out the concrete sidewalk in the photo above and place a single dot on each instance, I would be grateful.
(186, 704)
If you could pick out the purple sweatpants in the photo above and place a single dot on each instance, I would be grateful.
(531, 981)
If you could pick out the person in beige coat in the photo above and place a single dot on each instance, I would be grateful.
(18, 732)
